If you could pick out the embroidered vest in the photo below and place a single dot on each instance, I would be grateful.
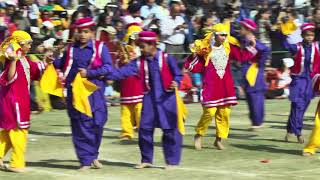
(299, 59)
(166, 74)
(95, 62)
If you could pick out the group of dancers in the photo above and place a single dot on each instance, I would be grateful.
(149, 80)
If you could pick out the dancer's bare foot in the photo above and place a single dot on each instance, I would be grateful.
(300, 139)
(253, 128)
(170, 167)
(1, 163)
(307, 154)
(125, 138)
(143, 165)
(84, 168)
(7, 167)
(198, 142)
(287, 137)
(96, 164)
(218, 144)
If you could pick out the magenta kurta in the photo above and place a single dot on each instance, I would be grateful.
(15, 95)
(218, 90)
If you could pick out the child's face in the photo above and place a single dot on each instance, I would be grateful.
(85, 35)
(109, 82)
(26, 47)
(266, 15)
(40, 48)
(220, 38)
(308, 36)
(244, 31)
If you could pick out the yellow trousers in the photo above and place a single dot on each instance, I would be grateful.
(130, 118)
(42, 98)
(222, 118)
(314, 141)
(16, 140)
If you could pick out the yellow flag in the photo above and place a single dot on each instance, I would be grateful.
(314, 141)
(288, 27)
(252, 74)
(181, 113)
(81, 90)
(232, 40)
(50, 83)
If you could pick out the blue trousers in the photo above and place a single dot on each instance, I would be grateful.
(171, 143)
(256, 107)
(87, 135)
(295, 122)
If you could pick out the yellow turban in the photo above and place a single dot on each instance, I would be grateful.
(21, 36)
(288, 27)
(17, 38)
(203, 46)
(131, 31)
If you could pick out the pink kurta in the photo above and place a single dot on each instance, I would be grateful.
(15, 95)
(218, 90)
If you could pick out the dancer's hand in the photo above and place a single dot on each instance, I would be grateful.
(49, 57)
(173, 85)
(252, 40)
(83, 72)
(12, 56)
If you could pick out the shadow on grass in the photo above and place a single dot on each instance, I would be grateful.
(305, 118)
(50, 134)
(54, 163)
(61, 164)
(213, 127)
(267, 148)
(276, 140)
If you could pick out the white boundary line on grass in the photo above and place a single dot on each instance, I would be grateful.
(78, 175)
(223, 172)
(196, 169)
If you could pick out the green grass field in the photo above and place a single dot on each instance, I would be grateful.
(50, 153)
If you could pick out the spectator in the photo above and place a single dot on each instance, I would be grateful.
(151, 10)
(205, 25)
(120, 29)
(186, 86)
(279, 80)
(173, 31)
(316, 21)
(134, 15)
(32, 12)
(264, 26)
(112, 96)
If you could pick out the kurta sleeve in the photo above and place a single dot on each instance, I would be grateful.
(123, 72)
(194, 63)
(263, 53)
(4, 81)
(293, 48)
(176, 72)
(242, 55)
(315, 75)
(59, 63)
(105, 68)
(36, 69)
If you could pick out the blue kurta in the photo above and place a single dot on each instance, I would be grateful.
(159, 106)
(263, 55)
(86, 131)
(301, 91)
(301, 85)
(159, 109)
(255, 94)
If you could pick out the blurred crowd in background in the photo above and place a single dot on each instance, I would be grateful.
(178, 24)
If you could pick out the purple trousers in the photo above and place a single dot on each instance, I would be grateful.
(87, 135)
(295, 122)
(171, 143)
(256, 107)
